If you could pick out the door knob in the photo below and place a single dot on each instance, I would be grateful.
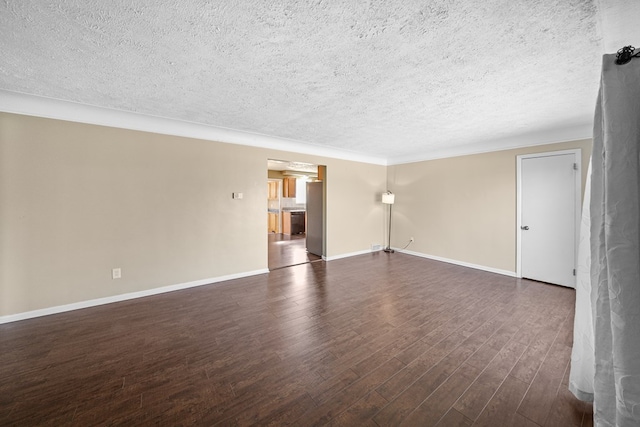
(524, 227)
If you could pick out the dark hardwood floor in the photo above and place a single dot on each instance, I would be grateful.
(377, 340)
(286, 250)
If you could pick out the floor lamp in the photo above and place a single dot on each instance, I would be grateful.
(388, 198)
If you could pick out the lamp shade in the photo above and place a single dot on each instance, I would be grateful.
(388, 198)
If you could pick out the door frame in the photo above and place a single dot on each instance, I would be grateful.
(577, 203)
(322, 176)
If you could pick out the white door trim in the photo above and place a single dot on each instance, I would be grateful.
(578, 198)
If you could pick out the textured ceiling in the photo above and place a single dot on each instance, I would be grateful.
(396, 80)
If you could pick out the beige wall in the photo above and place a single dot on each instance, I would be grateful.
(77, 200)
(464, 208)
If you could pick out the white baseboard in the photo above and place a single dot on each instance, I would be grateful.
(155, 291)
(460, 263)
(124, 297)
(433, 257)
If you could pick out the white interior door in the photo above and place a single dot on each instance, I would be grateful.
(549, 191)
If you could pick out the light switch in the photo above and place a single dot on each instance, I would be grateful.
(237, 195)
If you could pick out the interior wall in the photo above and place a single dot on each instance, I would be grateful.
(77, 200)
(464, 208)
(354, 211)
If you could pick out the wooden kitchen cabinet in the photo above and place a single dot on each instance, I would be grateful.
(322, 170)
(273, 190)
(286, 223)
(272, 223)
(289, 187)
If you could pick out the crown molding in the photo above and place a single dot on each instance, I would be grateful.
(532, 139)
(32, 105)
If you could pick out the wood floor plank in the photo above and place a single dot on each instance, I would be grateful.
(542, 392)
(476, 397)
(391, 350)
(425, 363)
(434, 407)
(377, 339)
(533, 357)
(587, 418)
(454, 418)
(496, 343)
(351, 394)
(287, 414)
(333, 385)
(361, 412)
(501, 409)
(276, 411)
(409, 399)
(566, 410)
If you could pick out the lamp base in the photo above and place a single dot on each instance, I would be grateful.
(389, 250)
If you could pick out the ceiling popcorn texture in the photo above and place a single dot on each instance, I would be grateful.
(390, 79)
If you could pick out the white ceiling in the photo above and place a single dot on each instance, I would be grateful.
(393, 81)
(286, 165)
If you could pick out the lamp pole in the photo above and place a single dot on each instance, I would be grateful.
(388, 248)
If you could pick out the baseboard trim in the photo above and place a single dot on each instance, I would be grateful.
(124, 297)
(432, 257)
(460, 263)
(155, 291)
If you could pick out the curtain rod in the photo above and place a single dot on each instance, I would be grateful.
(626, 55)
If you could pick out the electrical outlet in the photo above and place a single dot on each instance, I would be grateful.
(376, 247)
(116, 273)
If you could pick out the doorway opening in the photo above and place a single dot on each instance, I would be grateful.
(295, 213)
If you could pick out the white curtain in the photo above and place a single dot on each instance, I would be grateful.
(582, 362)
(615, 246)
